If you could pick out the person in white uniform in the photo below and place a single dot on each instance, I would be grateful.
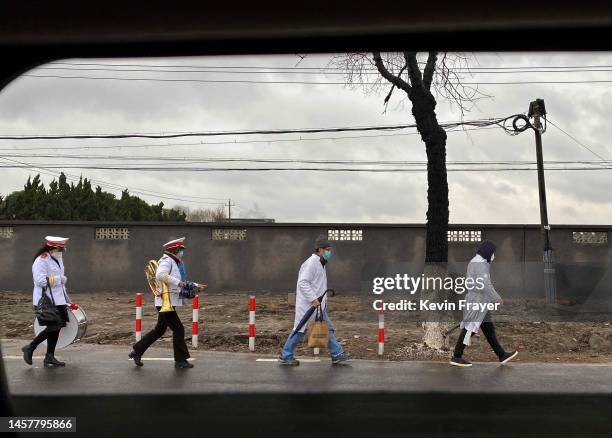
(171, 271)
(311, 285)
(49, 278)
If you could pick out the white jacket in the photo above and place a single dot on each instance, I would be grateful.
(311, 284)
(45, 266)
(168, 272)
(478, 269)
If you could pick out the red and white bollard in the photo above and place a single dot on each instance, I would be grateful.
(252, 323)
(381, 331)
(195, 321)
(138, 316)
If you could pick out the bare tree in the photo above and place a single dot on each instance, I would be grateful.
(424, 79)
(205, 214)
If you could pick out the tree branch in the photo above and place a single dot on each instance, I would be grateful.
(395, 80)
(414, 72)
(399, 74)
(430, 68)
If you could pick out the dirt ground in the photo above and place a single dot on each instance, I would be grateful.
(224, 327)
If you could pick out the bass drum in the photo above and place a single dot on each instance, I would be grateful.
(75, 329)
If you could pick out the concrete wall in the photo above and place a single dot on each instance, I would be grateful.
(269, 259)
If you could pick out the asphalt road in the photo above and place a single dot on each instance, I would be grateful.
(105, 369)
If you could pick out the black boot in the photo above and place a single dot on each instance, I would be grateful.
(51, 361)
(137, 358)
(28, 351)
(182, 364)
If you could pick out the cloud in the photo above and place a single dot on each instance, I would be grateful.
(255, 212)
(48, 106)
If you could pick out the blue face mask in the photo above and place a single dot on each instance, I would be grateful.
(327, 255)
(181, 253)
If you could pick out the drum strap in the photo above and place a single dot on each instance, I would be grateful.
(180, 265)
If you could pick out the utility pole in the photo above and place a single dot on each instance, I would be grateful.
(229, 210)
(537, 110)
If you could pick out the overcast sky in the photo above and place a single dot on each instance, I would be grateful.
(61, 106)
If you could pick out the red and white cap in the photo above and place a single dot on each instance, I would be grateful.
(176, 243)
(56, 242)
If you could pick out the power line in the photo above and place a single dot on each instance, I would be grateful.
(310, 169)
(575, 140)
(482, 70)
(311, 68)
(202, 143)
(450, 125)
(230, 81)
(112, 186)
(195, 160)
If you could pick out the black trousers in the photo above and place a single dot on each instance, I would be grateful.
(165, 320)
(51, 334)
(488, 328)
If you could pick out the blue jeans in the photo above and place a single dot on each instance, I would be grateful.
(333, 345)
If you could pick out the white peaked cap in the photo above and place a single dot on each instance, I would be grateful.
(56, 241)
(174, 243)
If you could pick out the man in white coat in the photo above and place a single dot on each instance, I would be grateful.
(171, 271)
(311, 285)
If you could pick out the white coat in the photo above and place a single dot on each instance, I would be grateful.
(168, 272)
(311, 284)
(478, 269)
(45, 266)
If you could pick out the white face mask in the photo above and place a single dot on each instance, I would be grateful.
(58, 255)
(492, 257)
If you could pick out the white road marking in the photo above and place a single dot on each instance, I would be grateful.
(21, 357)
(144, 358)
(162, 358)
(261, 359)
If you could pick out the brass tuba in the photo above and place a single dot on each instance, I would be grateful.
(150, 272)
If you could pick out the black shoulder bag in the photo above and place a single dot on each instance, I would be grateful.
(46, 311)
